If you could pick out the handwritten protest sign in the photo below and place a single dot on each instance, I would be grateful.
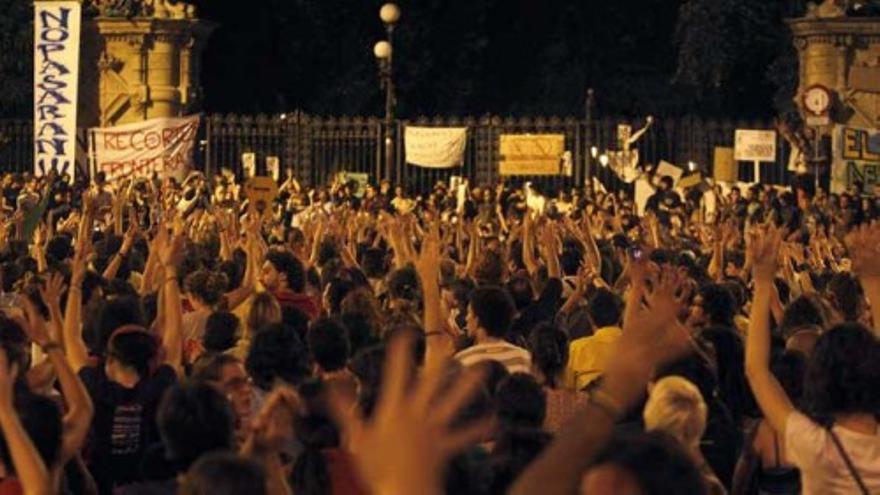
(531, 154)
(435, 147)
(56, 83)
(162, 146)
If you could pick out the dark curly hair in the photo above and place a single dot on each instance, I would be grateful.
(277, 352)
(843, 373)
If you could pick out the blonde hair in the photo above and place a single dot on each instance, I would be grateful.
(264, 310)
(676, 407)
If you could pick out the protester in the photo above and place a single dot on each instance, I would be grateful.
(164, 339)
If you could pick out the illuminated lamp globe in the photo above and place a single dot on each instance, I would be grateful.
(389, 13)
(382, 50)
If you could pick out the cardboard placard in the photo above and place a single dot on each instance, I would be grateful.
(261, 192)
(725, 169)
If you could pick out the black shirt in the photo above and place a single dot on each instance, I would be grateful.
(124, 424)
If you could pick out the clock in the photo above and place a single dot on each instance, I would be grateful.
(817, 99)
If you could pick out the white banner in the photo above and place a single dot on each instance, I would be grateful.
(754, 146)
(56, 78)
(164, 146)
(435, 147)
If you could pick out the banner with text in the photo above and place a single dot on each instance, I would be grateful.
(56, 80)
(856, 158)
(164, 146)
(435, 147)
(531, 154)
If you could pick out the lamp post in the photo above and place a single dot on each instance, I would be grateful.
(589, 103)
(383, 50)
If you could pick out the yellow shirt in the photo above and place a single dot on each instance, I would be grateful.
(588, 356)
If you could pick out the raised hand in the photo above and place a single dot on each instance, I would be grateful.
(51, 291)
(272, 427)
(406, 444)
(764, 246)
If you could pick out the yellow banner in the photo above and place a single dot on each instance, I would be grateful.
(531, 154)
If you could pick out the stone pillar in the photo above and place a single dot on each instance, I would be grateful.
(843, 54)
(144, 62)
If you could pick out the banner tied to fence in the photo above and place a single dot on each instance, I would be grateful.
(754, 145)
(856, 159)
(531, 154)
(435, 147)
(56, 79)
(163, 146)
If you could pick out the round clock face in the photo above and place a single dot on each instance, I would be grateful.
(817, 100)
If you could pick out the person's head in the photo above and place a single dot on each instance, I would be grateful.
(206, 287)
(222, 331)
(228, 375)
(328, 344)
(224, 473)
(549, 347)
(676, 407)
(403, 285)
(666, 183)
(107, 315)
(846, 296)
(490, 313)
(605, 307)
(282, 271)
(646, 464)
(265, 310)
(490, 269)
(194, 419)
(520, 402)
(520, 289)
(277, 353)
(716, 304)
(804, 311)
(843, 373)
(373, 263)
(131, 349)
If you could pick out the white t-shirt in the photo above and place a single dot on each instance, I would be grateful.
(810, 447)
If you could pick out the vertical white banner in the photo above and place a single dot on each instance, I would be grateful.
(56, 80)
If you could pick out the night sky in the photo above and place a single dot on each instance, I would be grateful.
(507, 57)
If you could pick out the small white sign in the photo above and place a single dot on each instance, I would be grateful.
(755, 146)
(249, 164)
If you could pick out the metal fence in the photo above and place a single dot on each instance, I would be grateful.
(316, 148)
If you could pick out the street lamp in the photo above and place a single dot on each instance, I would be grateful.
(383, 50)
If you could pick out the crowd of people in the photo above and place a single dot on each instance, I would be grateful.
(164, 337)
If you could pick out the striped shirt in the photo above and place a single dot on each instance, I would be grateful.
(515, 359)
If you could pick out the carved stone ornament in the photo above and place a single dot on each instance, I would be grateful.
(161, 9)
(829, 9)
(108, 62)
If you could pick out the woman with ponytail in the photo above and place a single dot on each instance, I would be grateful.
(549, 347)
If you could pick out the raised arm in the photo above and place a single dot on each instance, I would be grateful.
(771, 397)
(438, 342)
(80, 410)
(528, 247)
(75, 348)
(29, 466)
(864, 250)
(127, 243)
(170, 250)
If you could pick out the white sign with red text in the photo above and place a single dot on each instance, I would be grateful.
(162, 146)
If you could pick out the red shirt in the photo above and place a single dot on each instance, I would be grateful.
(302, 302)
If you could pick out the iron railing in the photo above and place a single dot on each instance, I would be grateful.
(315, 148)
